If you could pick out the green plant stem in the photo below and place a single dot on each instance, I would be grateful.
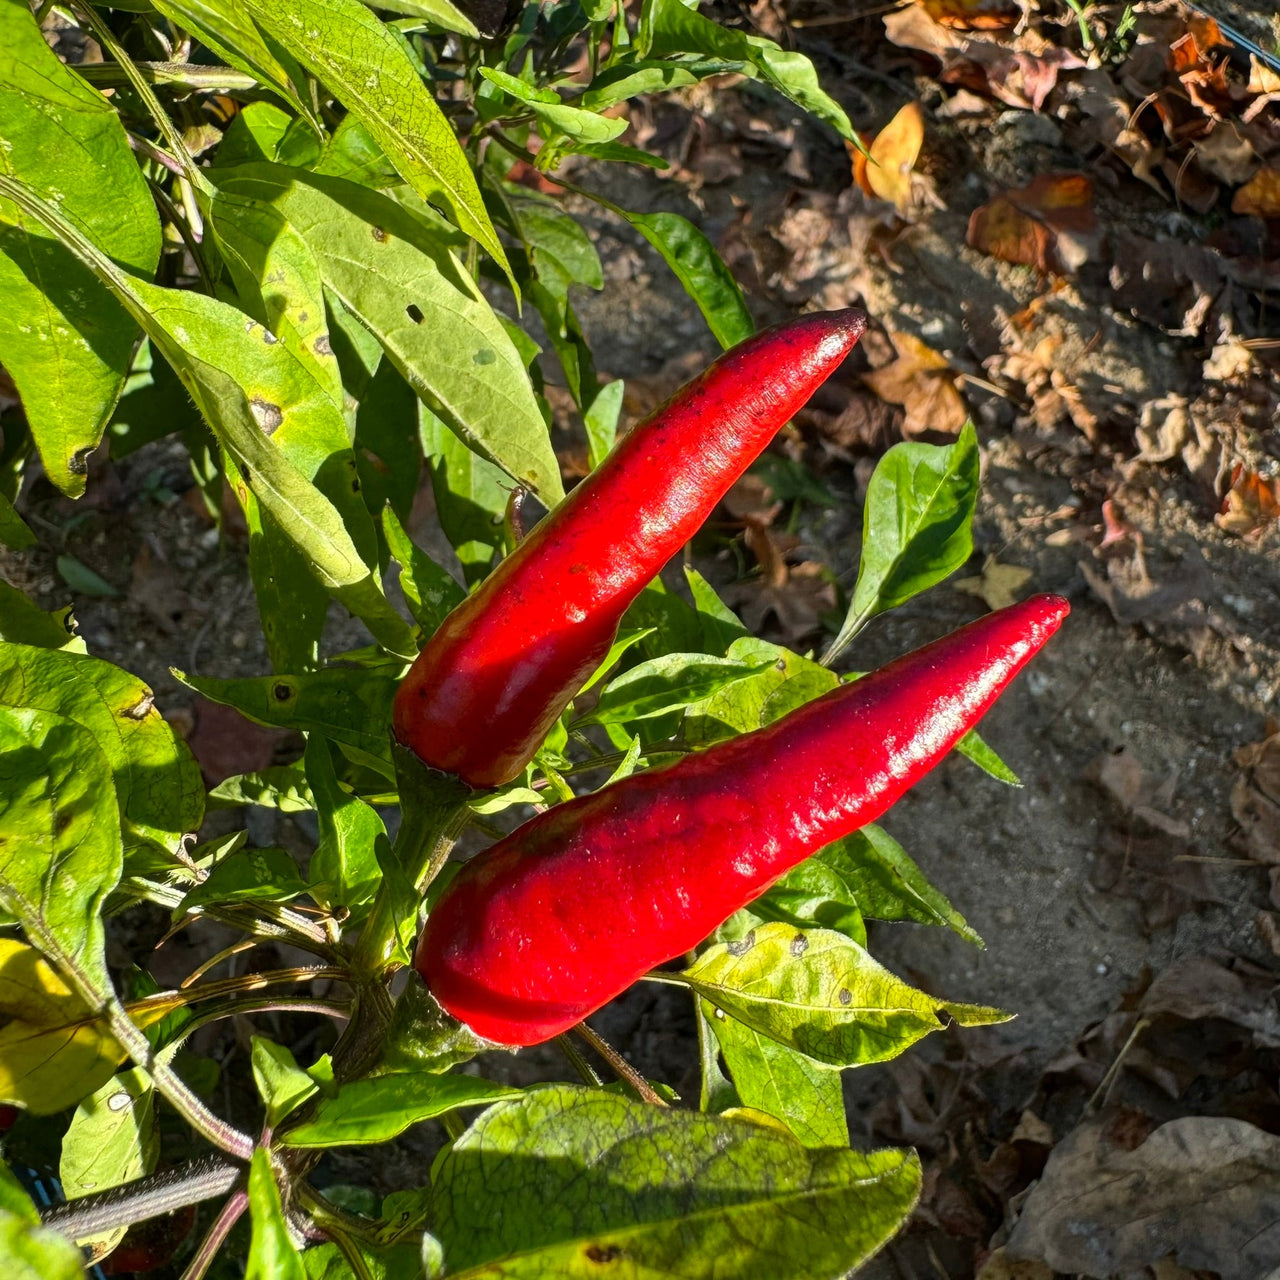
(184, 75)
(433, 812)
(168, 130)
(150, 1197)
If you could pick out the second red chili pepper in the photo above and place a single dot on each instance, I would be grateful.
(487, 687)
(570, 909)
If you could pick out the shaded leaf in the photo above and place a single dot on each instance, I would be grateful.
(432, 592)
(807, 1098)
(658, 1191)
(343, 870)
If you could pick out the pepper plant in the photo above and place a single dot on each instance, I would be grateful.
(300, 235)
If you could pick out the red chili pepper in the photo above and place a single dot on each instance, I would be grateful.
(570, 909)
(487, 687)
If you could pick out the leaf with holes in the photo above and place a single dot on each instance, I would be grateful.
(821, 993)
(359, 60)
(412, 294)
(63, 338)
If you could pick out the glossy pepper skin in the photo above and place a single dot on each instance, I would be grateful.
(570, 909)
(487, 687)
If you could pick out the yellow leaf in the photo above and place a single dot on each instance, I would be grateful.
(54, 1050)
(893, 154)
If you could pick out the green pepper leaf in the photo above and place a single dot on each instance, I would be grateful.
(657, 1191)
(702, 272)
(413, 295)
(917, 527)
(431, 591)
(272, 1254)
(887, 885)
(29, 1251)
(784, 681)
(156, 780)
(14, 531)
(806, 1097)
(23, 622)
(349, 707)
(820, 993)
(63, 338)
(343, 870)
(814, 895)
(665, 684)
(976, 750)
(670, 27)
(600, 418)
(360, 61)
(281, 786)
(379, 1108)
(246, 875)
(282, 1084)
(114, 1137)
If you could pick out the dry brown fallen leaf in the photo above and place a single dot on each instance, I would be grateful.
(1250, 506)
(1123, 777)
(921, 381)
(997, 585)
(1260, 196)
(885, 169)
(1049, 224)
(1203, 1190)
(1255, 797)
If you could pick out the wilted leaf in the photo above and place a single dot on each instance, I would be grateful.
(922, 382)
(1049, 224)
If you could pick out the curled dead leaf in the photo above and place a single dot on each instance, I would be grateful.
(1049, 224)
(997, 586)
(974, 15)
(885, 170)
(1250, 506)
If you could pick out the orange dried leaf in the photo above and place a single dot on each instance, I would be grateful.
(1049, 224)
(974, 15)
(1259, 196)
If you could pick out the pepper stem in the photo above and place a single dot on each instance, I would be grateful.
(433, 811)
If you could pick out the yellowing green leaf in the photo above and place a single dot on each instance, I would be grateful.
(63, 338)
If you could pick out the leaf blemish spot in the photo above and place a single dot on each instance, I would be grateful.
(78, 463)
(267, 415)
(485, 355)
(743, 945)
(269, 338)
(322, 345)
(379, 235)
(281, 692)
(602, 1254)
(414, 312)
(799, 945)
(140, 709)
(846, 996)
